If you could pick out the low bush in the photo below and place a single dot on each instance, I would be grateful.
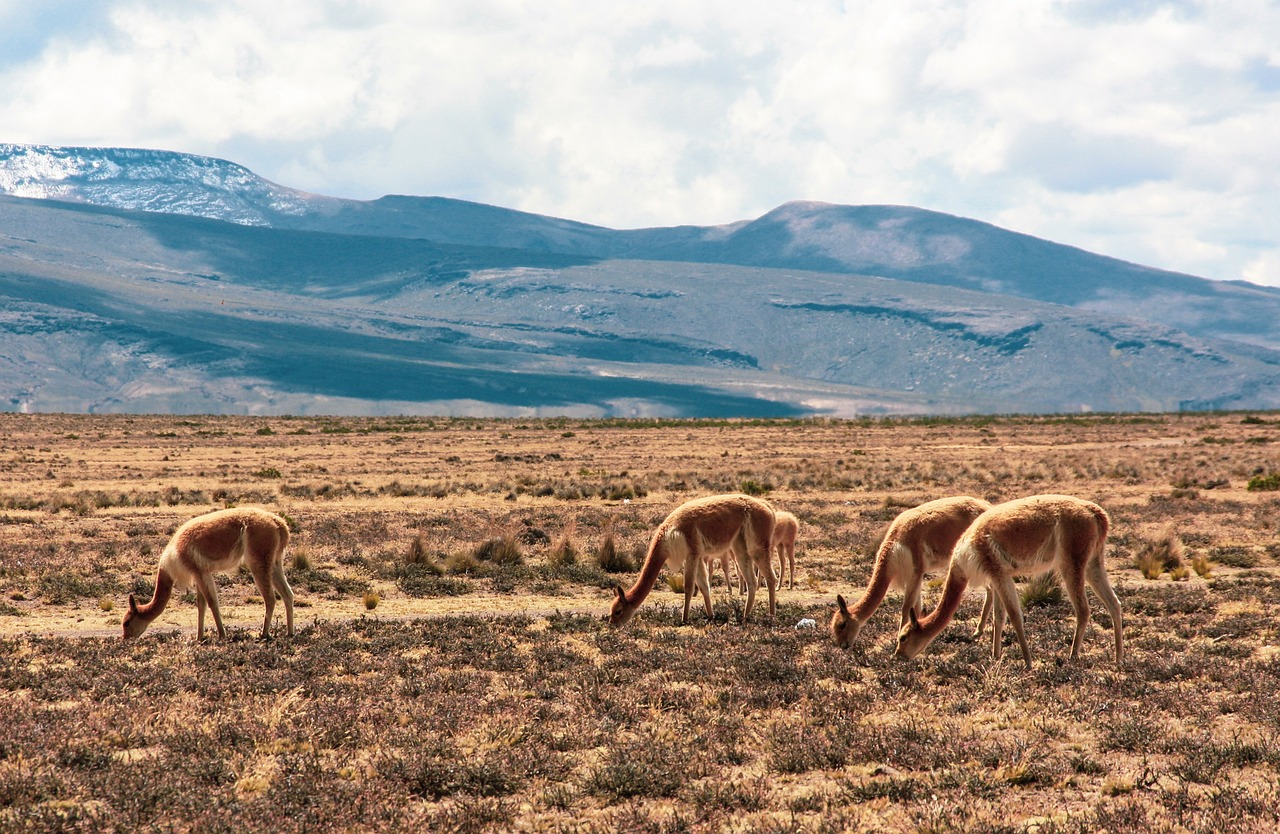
(1264, 483)
(611, 559)
(504, 550)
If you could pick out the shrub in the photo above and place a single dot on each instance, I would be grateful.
(1130, 732)
(650, 766)
(371, 600)
(1155, 556)
(1235, 556)
(533, 536)
(1264, 483)
(500, 551)
(611, 559)
(61, 587)
(750, 794)
(1042, 590)
(427, 581)
(754, 487)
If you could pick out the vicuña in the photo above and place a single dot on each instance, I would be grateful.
(1025, 537)
(918, 542)
(217, 543)
(696, 530)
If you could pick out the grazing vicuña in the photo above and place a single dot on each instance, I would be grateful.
(696, 530)
(919, 541)
(217, 543)
(1025, 537)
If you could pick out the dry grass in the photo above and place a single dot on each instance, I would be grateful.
(483, 692)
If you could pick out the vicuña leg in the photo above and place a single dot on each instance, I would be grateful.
(911, 597)
(207, 590)
(1096, 576)
(286, 594)
(200, 606)
(1009, 606)
(696, 576)
(723, 559)
(985, 616)
(754, 565)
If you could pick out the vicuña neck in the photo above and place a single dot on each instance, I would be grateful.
(159, 599)
(952, 594)
(875, 592)
(653, 562)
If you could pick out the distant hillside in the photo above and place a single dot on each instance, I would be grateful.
(890, 241)
(229, 293)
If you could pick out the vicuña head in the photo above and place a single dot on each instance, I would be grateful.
(845, 627)
(918, 542)
(217, 543)
(696, 530)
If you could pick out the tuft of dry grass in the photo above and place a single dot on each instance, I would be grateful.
(1164, 553)
(1202, 566)
(418, 553)
(1042, 590)
(563, 552)
(610, 558)
(501, 550)
(462, 561)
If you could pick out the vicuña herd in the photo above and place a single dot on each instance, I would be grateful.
(977, 543)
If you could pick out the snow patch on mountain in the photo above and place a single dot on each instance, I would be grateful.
(148, 180)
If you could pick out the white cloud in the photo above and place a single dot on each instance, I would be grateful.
(1141, 130)
(1264, 269)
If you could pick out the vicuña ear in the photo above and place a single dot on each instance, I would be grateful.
(915, 621)
(618, 592)
(844, 608)
(133, 604)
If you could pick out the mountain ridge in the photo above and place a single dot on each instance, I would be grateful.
(123, 285)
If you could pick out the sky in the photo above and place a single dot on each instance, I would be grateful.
(1148, 131)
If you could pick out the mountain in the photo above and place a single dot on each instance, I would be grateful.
(153, 281)
(900, 242)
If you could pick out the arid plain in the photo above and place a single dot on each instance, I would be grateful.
(452, 670)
